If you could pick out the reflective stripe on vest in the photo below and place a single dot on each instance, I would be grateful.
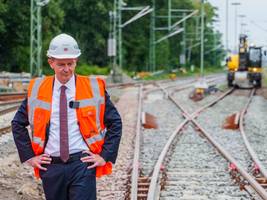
(34, 103)
(97, 138)
(99, 100)
(38, 141)
(95, 101)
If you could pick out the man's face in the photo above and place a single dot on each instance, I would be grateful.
(64, 68)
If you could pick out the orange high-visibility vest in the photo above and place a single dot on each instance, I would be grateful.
(90, 98)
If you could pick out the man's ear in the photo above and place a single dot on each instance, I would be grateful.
(50, 62)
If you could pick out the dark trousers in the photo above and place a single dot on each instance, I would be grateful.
(69, 181)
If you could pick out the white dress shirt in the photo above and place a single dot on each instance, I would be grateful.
(76, 142)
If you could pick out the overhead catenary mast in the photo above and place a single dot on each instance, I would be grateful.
(36, 37)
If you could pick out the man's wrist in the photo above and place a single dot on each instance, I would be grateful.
(105, 157)
(28, 161)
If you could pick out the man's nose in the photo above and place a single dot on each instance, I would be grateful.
(66, 66)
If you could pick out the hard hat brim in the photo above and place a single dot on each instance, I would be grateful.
(67, 56)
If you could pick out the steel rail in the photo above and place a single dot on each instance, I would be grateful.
(186, 85)
(243, 134)
(4, 103)
(11, 93)
(154, 180)
(134, 186)
(135, 170)
(7, 110)
(114, 85)
(209, 81)
(5, 129)
(255, 185)
(153, 183)
(156, 171)
(194, 115)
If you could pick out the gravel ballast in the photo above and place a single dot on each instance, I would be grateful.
(212, 121)
(197, 171)
(153, 140)
(256, 126)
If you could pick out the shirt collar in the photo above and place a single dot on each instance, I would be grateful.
(70, 84)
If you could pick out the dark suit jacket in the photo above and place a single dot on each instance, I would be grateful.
(112, 122)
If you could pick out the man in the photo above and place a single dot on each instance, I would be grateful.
(76, 129)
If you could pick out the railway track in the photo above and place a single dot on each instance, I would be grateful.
(140, 177)
(7, 96)
(5, 121)
(230, 139)
(144, 181)
(240, 148)
(7, 107)
(154, 184)
(141, 183)
(196, 171)
(253, 131)
(205, 180)
(122, 171)
(5, 129)
(174, 137)
(258, 168)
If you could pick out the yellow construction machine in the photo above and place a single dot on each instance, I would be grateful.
(245, 68)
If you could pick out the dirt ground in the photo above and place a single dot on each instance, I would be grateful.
(17, 181)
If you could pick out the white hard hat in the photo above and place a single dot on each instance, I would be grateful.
(63, 46)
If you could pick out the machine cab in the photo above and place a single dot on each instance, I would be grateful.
(255, 57)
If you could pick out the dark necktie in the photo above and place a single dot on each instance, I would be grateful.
(63, 119)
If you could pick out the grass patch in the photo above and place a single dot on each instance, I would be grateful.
(188, 73)
(85, 69)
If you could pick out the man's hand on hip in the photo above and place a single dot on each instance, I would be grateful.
(96, 159)
(37, 161)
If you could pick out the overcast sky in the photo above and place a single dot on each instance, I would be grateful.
(256, 20)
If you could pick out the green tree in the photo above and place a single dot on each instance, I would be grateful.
(15, 32)
(88, 22)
